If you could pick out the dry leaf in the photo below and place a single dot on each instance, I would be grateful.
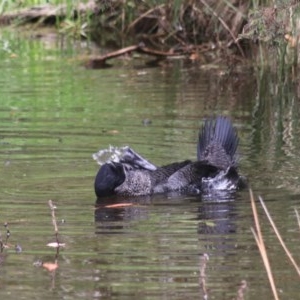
(50, 266)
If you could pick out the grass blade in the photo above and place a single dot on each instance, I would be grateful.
(261, 246)
(288, 253)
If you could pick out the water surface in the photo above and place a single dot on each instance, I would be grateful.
(55, 114)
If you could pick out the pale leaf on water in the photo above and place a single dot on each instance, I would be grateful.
(56, 245)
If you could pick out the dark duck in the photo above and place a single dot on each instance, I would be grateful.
(129, 174)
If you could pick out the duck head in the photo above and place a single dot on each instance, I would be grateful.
(110, 176)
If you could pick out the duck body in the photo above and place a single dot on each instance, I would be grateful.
(215, 168)
(122, 179)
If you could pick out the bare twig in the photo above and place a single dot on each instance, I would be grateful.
(202, 276)
(53, 207)
(241, 290)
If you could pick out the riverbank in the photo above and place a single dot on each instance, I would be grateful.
(198, 30)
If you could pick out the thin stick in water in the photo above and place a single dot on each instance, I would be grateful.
(53, 207)
(261, 246)
(287, 252)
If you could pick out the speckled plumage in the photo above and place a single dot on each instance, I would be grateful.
(140, 182)
(216, 164)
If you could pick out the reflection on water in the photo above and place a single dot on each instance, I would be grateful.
(216, 219)
(108, 211)
(55, 114)
(177, 231)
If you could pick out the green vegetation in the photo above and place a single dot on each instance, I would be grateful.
(197, 27)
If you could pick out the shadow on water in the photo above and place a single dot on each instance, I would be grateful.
(275, 129)
(117, 209)
(212, 219)
(215, 213)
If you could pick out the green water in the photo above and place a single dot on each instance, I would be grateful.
(55, 114)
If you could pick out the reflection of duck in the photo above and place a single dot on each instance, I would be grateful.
(215, 169)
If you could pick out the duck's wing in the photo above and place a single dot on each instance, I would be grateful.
(135, 161)
(125, 155)
(161, 174)
(191, 173)
(218, 142)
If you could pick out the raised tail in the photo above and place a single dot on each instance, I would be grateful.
(218, 142)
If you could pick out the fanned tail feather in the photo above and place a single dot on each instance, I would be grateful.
(218, 137)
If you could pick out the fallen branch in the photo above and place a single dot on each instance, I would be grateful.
(100, 61)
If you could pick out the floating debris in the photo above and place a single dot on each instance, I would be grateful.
(56, 245)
